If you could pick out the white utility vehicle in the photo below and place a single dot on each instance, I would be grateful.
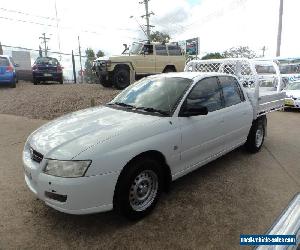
(124, 154)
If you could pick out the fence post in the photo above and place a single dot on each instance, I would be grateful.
(73, 63)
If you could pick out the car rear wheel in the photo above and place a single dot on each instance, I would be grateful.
(138, 188)
(121, 78)
(256, 135)
(13, 83)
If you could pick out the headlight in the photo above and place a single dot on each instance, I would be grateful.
(66, 169)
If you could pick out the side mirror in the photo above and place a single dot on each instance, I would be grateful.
(193, 111)
(17, 65)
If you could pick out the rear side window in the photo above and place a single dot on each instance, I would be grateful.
(174, 50)
(4, 61)
(231, 91)
(161, 50)
(206, 93)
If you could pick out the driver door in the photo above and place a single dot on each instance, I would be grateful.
(145, 62)
(202, 135)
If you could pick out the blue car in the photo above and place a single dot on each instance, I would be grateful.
(8, 75)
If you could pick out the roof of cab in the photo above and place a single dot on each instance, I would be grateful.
(191, 75)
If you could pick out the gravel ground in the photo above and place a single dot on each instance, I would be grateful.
(49, 101)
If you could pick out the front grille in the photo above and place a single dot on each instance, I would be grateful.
(36, 156)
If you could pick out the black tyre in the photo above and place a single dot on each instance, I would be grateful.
(105, 83)
(61, 81)
(256, 135)
(35, 81)
(13, 83)
(169, 69)
(139, 188)
(121, 78)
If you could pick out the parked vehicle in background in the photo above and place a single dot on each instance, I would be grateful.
(289, 68)
(292, 92)
(47, 69)
(123, 155)
(142, 59)
(8, 75)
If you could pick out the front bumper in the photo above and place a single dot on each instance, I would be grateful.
(84, 195)
(291, 103)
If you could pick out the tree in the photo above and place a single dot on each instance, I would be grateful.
(1, 50)
(89, 75)
(100, 53)
(161, 37)
(214, 55)
(238, 52)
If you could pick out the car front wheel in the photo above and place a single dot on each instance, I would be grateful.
(121, 78)
(138, 189)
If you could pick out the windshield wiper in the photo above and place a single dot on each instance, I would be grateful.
(122, 104)
(153, 110)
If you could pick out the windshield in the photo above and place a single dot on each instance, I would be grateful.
(47, 61)
(154, 94)
(135, 48)
(293, 86)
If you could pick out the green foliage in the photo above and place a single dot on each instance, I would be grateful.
(161, 37)
(100, 53)
(238, 52)
(214, 55)
(89, 75)
(1, 50)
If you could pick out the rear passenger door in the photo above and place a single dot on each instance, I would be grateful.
(237, 112)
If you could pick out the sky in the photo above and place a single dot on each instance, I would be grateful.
(106, 25)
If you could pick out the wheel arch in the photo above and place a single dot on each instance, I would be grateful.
(126, 66)
(153, 154)
(170, 66)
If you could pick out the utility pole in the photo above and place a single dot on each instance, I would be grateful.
(263, 50)
(279, 28)
(57, 27)
(73, 64)
(45, 39)
(81, 73)
(147, 15)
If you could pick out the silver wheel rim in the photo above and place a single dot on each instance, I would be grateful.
(143, 190)
(259, 136)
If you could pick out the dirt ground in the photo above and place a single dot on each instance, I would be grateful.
(48, 101)
(240, 193)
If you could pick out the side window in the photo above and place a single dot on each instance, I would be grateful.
(148, 49)
(174, 50)
(206, 93)
(231, 91)
(161, 50)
